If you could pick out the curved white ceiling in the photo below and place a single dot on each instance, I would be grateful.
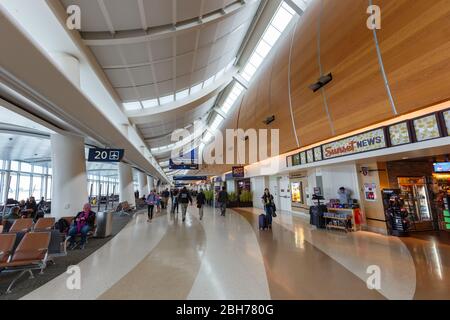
(141, 67)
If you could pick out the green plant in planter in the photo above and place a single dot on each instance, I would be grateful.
(232, 196)
(209, 195)
(246, 196)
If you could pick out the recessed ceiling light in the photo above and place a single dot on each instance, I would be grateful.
(405, 158)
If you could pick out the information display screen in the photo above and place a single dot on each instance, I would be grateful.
(441, 167)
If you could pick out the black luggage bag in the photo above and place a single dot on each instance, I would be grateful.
(316, 213)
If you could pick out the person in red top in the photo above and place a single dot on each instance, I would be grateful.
(82, 224)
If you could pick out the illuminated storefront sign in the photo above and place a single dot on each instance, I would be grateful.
(368, 141)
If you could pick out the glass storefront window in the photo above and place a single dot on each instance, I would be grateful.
(24, 187)
(12, 187)
(14, 166)
(25, 167)
(49, 188)
(296, 192)
(36, 190)
(38, 169)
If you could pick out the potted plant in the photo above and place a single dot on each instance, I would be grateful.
(246, 199)
(209, 196)
(233, 200)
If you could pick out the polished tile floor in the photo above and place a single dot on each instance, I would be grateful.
(229, 258)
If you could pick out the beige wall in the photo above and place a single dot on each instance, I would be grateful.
(373, 210)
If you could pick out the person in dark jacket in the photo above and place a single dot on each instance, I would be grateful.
(222, 199)
(82, 224)
(201, 199)
(165, 198)
(9, 218)
(174, 200)
(184, 198)
(151, 200)
(30, 209)
(268, 203)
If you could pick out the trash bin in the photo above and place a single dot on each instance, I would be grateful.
(104, 224)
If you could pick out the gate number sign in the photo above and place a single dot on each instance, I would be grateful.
(105, 155)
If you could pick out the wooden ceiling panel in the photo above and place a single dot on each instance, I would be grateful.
(415, 43)
(356, 96)
(311, 120)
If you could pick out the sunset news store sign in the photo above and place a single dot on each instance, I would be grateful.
(367, 141)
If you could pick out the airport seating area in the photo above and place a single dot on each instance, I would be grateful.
(41, 247)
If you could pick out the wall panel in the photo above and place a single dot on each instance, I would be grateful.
(415, 43)
(309, 113)
(357, 96)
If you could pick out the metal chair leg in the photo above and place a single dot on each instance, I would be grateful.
(8, 291)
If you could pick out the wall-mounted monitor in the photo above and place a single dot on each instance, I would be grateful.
(441, 167)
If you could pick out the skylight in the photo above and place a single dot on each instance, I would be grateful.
(179, 95)
(196, 88)
(235, 92)
(132, 106)
(150, 103)
(277, 25)
(166, 99)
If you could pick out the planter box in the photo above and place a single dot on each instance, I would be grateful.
(245, 204)
(238, 204)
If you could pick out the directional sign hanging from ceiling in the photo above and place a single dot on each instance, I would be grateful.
(105, 155)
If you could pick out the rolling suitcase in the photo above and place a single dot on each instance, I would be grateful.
(262, 222)
(269, 221)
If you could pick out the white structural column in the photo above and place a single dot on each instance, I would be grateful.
(69, 175)
(150, 183)
(142, 181)
(69, 186)
(6, 181)
(126, 185)
(69, 66)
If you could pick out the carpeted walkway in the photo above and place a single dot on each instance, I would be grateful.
(25, 285)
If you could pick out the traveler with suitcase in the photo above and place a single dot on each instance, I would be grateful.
(268, 203)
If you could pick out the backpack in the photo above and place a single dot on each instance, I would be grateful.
(62, 225)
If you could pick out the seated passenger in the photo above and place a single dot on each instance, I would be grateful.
(9, 218)
(82, 224)
(30, 209)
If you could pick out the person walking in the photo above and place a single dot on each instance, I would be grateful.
(222, 199)
(268, 203)
(165, 198)
(184, 198)
(175, 200)
(200, 202)
(151, 201)
(158, 203)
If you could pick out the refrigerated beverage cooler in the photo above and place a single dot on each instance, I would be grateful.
(414, 192)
